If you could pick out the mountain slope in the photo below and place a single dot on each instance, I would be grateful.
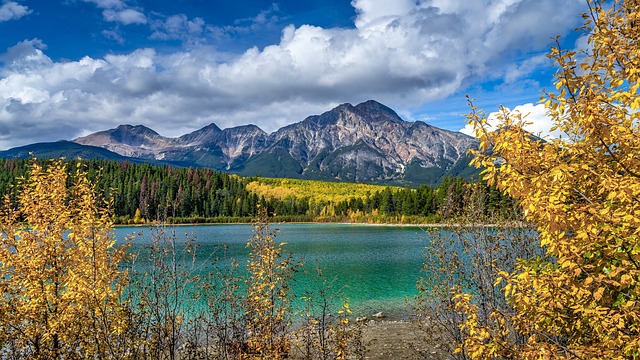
(67, 149)
(368, 142)
(128, 140)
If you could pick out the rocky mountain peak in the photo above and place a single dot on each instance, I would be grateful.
(245, 129)
(201, 136)
(347, 115)
(134, 129)
(377, 111)
(127, 140)
(241, 142)
(134, 135)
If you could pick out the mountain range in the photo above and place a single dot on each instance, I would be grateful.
(367, 142)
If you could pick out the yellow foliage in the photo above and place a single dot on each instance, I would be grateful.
(583, 192)
(137, 217)
(58, 270)
(268, 300)
(318, 191)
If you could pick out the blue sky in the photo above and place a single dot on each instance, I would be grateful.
(72, 67)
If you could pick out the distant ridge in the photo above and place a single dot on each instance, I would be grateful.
(67, 149)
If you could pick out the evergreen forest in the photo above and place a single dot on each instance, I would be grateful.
(144, 192)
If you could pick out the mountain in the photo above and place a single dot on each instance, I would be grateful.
(204, 135)
(219, 149)
(131, 141)
(367, 142)
(67, 149)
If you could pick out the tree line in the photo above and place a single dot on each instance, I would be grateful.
(145, 192)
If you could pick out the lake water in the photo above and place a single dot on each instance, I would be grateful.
(376, 266)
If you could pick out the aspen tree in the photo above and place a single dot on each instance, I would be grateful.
(583, 193)
(268, 299)
(59, 270)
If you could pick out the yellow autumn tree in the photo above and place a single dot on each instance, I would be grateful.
(268, 298)
(59, 270)
(583, 194)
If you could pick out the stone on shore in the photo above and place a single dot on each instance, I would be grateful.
(379, 315)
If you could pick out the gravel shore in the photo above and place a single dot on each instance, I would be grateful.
(396, 340)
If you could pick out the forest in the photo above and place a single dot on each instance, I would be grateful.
(143, 193)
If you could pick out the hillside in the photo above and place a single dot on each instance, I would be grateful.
(67, 149)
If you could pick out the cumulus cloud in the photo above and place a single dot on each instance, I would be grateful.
(179, 27)
(401, 53)
(24, 56)
(536, 115)
(118, 11)
(194, 32)
(11, 10)
(126, 16)
(380, 12)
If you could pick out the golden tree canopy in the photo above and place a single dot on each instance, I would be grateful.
(583, 194)
(58, 269)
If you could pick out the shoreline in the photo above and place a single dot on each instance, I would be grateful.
(422, 225)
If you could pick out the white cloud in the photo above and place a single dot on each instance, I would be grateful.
(126, 16)
(264, 17)
(179, 27)
(380, 12)
(24, 56)
(400, 53)
(142, 58)
(108, 4)
(194, 32)
(113, 35)
(536, 115)
(118, 11)
(11, 10)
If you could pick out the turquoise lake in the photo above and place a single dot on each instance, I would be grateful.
(375, 266)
